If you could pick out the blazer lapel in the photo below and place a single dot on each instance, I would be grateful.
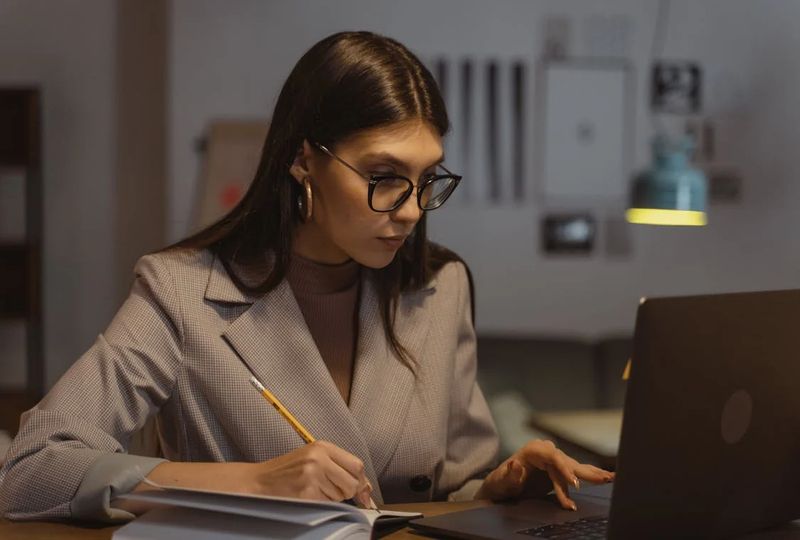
(272, 338)
(382, 384)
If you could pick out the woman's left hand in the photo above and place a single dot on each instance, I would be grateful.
(537, 468)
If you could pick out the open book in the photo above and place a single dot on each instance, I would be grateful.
(200, 514)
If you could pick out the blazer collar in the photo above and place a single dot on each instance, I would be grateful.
(383, 385)
(272, 338)
(221, 288)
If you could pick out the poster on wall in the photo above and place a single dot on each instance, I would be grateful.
(488, 146)
(231, 153)
(676, 87)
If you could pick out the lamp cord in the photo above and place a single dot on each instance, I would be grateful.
(657, 50)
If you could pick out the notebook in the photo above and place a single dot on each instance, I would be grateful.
(201, 514)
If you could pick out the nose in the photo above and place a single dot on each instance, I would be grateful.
(409, 211)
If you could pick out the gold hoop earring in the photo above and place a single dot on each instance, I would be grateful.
(306, 204)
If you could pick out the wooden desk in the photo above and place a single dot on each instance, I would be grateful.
(40, 530)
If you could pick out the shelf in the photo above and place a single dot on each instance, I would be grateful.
(14, 281)
(18, 139)
(21, 245)
(12, 404)
(12, 246)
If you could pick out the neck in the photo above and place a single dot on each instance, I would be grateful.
(311, 244)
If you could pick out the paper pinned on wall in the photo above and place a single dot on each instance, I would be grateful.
(586, 132)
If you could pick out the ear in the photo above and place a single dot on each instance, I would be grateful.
(300, 167)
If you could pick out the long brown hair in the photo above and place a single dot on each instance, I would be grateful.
(349, 81)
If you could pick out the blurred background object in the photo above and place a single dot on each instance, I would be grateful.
(670, 191)
(21, 360)
(230, 151)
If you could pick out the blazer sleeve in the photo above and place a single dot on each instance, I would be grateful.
(69, 457)
(472, 441)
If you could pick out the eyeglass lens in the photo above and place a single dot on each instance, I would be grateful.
(390, 192)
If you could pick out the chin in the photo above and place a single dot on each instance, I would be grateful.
(376, 261)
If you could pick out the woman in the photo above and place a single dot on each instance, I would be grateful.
(322, 284)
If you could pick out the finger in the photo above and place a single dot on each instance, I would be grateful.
(563, 467)
(593, 474)
(364, 497)
(609, 476)
(347, 461)
(330, 490)
(520, 472)
(537, 453)
(561, 490)
(514, 479)
(501, 483)
(342, 481)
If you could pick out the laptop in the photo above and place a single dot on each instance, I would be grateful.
(710, 444)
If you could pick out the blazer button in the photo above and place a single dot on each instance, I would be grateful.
(420, 483)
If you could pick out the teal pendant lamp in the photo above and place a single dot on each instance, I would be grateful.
(671, 191)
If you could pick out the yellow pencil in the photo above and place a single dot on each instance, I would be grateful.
(298, 427)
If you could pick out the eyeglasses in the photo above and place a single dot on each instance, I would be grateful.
(388, 192)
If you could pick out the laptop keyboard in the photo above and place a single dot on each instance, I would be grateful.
(587, 528)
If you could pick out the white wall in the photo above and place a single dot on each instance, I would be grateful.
(229, 59)
(67, 49)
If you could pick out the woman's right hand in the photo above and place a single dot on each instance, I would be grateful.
(319, 471)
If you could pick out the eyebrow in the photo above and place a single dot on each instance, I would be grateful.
(394, 160)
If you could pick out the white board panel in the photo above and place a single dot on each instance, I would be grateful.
(585, 133)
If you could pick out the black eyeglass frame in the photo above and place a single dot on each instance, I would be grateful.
(374, 179)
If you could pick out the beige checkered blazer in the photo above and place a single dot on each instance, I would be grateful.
(183, 347)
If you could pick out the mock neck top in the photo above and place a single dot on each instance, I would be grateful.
(328, 298)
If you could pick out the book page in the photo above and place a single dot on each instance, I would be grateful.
(300, 512)
(289, 510)
(193, 524)
(389, 516)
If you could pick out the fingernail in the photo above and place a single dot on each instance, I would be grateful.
(521, 476)
(573, 507)
(576, 483)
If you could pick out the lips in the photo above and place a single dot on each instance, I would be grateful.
(393, 242)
